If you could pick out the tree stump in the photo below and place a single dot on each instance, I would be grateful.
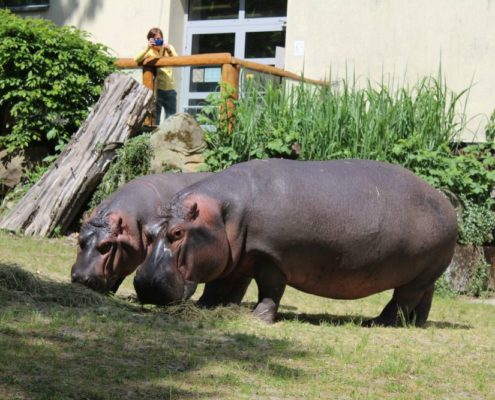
(56, 199)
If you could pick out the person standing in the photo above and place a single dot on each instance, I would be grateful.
(166, 96)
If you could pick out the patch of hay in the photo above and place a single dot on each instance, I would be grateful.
(15, 282)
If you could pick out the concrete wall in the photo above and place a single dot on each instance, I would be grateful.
(399, 38)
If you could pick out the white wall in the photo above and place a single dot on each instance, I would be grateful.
(122, 25)
(399, 37)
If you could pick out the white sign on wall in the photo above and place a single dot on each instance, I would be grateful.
(299, 48)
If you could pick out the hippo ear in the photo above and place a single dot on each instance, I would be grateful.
(115, 223)
(193, 212)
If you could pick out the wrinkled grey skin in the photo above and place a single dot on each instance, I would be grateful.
(118, 234)
(341, 229)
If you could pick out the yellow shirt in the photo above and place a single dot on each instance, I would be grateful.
(164, 76)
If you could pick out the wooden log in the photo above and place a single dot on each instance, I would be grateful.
(55, 200)
(178, 61)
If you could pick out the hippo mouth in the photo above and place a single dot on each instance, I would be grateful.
(110, 281)
(181, 265)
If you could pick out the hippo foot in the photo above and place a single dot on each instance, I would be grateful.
(266, 311)
(379, 321)
(392, 322)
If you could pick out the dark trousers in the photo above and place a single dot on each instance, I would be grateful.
(166, 99)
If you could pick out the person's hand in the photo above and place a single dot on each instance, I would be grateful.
(151, 42)
(167, 48)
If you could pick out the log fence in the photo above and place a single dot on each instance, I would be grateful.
(230, 66)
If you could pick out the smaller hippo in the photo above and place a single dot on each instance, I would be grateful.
(343, 229)
(117, 236)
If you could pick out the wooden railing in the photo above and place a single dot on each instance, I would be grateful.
(230, 67)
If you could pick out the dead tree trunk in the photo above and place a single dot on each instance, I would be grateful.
(58, 196)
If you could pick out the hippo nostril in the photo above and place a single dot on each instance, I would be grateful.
(75, 277)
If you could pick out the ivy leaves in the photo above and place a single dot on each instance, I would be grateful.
(49, 78)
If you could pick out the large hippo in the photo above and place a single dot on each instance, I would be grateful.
(341, 229)
(118, 234)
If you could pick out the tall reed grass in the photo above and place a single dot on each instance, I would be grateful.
(347, 120)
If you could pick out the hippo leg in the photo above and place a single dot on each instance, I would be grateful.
(229, 290)
(116, 285)
(271, 286)
(422, 310)
(406, 306)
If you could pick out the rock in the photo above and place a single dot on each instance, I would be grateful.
(11, 171)
(490, 259)
(178, 144)
(13, 167)
(465, 261)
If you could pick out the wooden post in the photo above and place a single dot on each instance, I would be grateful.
(149, 74)
(230, 77)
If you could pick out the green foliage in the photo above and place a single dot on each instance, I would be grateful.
(131, 161)
(490, 128)
(477, 225)
(479, 282)
(49, 78)
(444, 289)
(328, 122)
(468, 172)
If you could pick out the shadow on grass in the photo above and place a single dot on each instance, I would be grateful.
(64, 341)
(338, 320)
(285, 314)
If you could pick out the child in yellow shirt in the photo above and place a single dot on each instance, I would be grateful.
(166, 96)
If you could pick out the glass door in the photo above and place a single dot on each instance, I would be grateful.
(248, 29)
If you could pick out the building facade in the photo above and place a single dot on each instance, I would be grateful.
(395, 40)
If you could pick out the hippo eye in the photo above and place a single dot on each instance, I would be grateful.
(104, 247)
(176, 234)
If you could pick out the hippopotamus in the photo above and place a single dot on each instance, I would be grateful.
(115, 239)
(342, 229)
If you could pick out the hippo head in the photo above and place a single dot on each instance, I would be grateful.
(109, 249)
(191, 247)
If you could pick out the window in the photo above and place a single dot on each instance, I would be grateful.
(203, 10)
(266, 9)
(213, 43)
(263, 44)
(25, 5)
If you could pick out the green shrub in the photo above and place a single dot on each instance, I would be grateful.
(131, 161)
(468, 172)
(49, 78)
(477, 225)
(479, 282)
(444, 289)
(328, 122)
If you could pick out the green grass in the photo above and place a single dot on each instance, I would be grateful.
(62, 341)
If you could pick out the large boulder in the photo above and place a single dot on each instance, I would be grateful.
(178, 144)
